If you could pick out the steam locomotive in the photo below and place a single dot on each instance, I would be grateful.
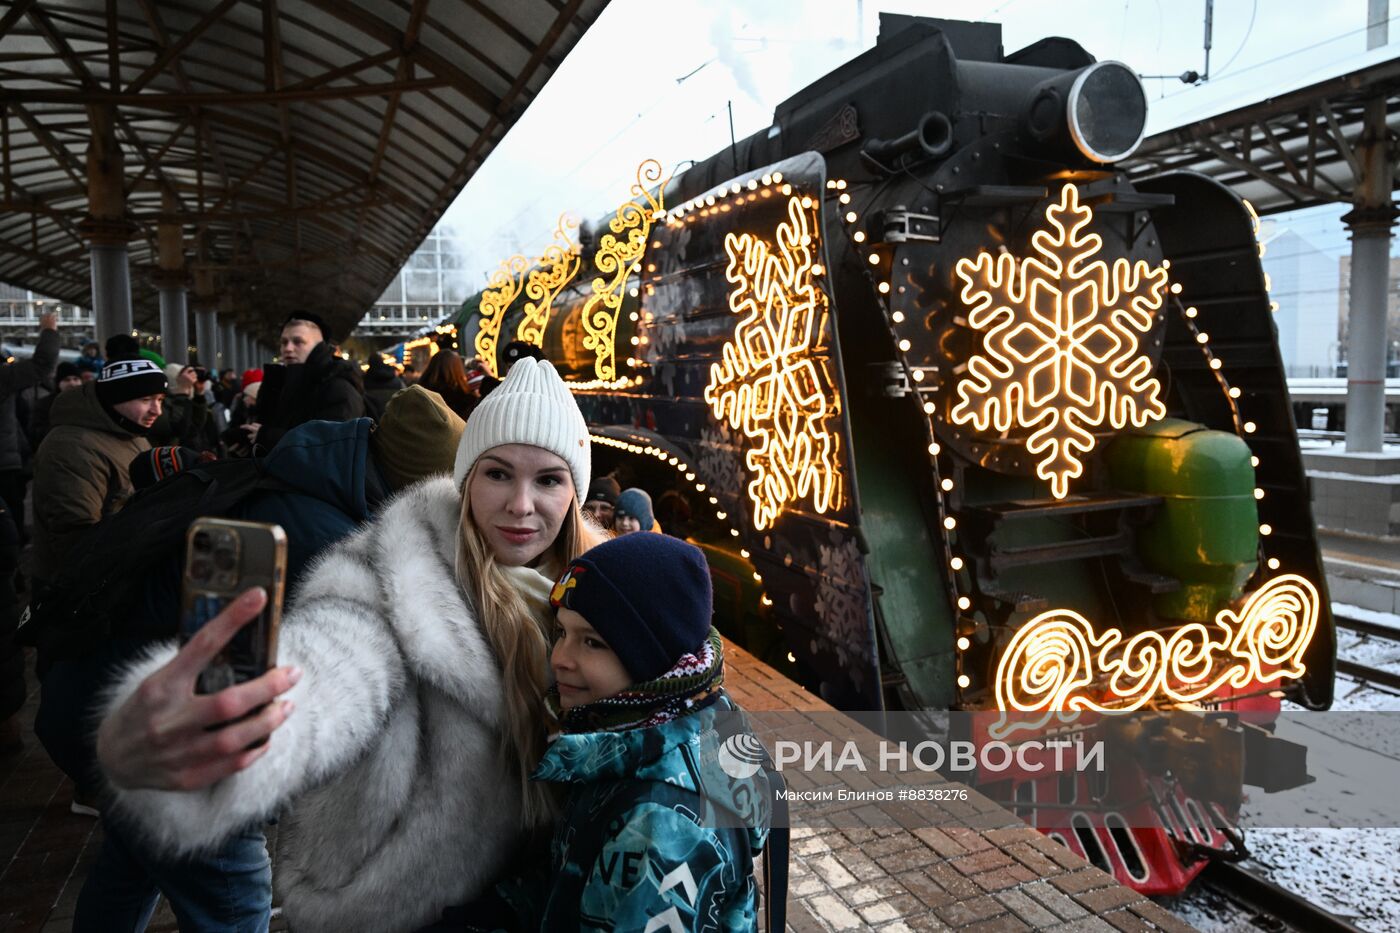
(963, 418)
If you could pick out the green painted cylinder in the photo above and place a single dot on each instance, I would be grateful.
(1206, 533)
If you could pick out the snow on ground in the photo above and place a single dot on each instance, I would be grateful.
(1367, 615)
(1353, 872)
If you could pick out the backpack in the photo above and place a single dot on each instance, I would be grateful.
(111, 562)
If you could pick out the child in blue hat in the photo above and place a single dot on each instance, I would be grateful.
(648, 827)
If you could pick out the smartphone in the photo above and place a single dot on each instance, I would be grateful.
(223, 559)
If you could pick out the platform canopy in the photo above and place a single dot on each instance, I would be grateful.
(1295, 149)
(305, 147)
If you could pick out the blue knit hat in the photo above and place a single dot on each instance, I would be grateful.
(636, 503)
(648, 595)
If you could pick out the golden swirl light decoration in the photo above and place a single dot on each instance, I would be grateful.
(772, 381)
(1057, 665)
(555, 269)
(615, 258)
(501, 289)
(1063, 348)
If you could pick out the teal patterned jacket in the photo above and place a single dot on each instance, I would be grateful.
(654, 835)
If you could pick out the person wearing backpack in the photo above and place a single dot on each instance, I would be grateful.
(311, 384)
(638, 694)
(324, 480)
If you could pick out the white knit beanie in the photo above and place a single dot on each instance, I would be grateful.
(532, 406)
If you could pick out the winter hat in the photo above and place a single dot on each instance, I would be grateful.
(151, 466)
(122, 347)
(250, 376)
(125, 380)
(519, 349)
(418, 436)
(172, 376)
(251, 390)
(66, 371)
(532, 406)
(649, 596)
(306, 317)
(636, 503)
(604, 489)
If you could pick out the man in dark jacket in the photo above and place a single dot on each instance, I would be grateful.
(80, 471)
(65, 379)
(329, 478)
(15, 451)
(312, 384)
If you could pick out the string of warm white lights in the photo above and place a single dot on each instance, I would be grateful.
(878, 274)
(683, 469)
(1244, 428)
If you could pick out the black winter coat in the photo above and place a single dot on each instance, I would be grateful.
(324, 388)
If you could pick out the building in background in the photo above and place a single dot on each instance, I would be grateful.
(1303, 280)
(20, 310)
(431, 286)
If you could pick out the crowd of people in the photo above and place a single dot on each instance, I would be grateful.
(494, 673)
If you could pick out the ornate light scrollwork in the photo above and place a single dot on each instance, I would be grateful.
(555, 269)
(618, 251)
(1057, 665)
(772, 382)
(502, 289)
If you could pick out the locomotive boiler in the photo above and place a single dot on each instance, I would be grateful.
(962, 417)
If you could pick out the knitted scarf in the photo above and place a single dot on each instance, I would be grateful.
(691, 682)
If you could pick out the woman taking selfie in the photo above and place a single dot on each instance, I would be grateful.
(416, 656)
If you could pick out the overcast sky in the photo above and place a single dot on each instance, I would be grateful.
(654, 78)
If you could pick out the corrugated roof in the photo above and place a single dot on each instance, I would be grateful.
(306, 146)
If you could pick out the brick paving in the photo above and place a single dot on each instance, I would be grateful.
(962, 864)
(858, 866)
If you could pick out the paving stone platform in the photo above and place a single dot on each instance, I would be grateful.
(866, 866)
(962, 864)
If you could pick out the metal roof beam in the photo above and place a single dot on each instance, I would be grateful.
(1297, 192)
(182, 101)
(17, 9)
(168, 54)
(1340, 141)
(386, 34)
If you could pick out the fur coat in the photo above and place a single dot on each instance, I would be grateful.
(395, 798)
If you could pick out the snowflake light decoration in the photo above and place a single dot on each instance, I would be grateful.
(1062, 351)
(772, 383)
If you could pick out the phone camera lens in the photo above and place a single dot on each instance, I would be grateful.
(202, 541)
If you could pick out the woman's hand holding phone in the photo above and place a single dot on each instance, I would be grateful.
(162, 736)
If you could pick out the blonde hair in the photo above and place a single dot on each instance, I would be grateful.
(520, 640)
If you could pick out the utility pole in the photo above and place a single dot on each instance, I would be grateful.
(1377, 23)
(1210, 28)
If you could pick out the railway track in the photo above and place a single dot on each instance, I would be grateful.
(1274, 908)
(1362, 627)
(1363, 672)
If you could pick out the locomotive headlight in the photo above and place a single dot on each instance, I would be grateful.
(1107, 111)
(1103, 107)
